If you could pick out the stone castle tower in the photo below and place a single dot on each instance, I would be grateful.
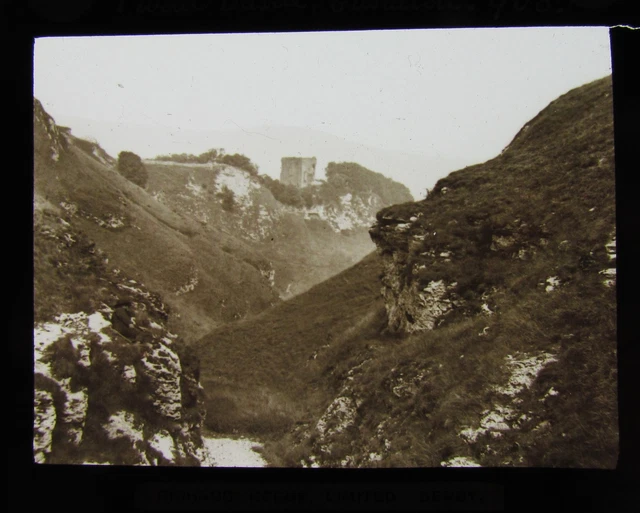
(298, 171)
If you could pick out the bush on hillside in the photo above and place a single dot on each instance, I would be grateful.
(228, 199)
(241, 162)
(212, 155)
(285, 193)
(208, 156)
(131, 167)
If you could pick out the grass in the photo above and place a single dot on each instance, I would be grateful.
(551, 193)
(156, 246)
(237, 363)
(71, 275)
(164, 242)
(274, 374)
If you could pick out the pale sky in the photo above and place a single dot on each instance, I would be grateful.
(460, 93)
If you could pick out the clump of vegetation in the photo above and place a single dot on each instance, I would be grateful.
(228, 199)
(351, 177)
(211, 155)
(286, 194)
(132, 168)
(342, 178)
(241, 162)
(215, 156)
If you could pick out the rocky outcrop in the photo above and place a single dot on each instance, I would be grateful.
(299, 246)
(103, 394)
(411, 305)
(352, 212)
(256, 214)
(466, 243)
(93, 386)
(49, 139)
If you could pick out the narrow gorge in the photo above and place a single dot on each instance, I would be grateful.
(210, 316)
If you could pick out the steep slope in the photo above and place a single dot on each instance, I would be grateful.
(167, 251)
(114, 383)
(298, 247)
(99, 398)
(259, 372)
(300, 244)
(212, 239)
(495, 344)
(184, 263)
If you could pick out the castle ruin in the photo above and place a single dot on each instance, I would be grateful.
(298, 171)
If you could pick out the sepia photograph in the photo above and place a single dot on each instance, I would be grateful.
(340, 249)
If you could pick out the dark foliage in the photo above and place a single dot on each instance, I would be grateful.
(228, 199)
(131, 167)
(285, 193)
(211, 155)
(241, 162)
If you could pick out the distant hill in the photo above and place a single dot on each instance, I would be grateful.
(210, 238)
(266, 145)
(493, 342)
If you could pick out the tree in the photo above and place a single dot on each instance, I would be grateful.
(241, 162)
(228, 199)
(131, 167)
(208, 156)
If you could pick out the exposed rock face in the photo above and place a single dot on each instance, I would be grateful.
(299, 246)
(44, 423)
(458, 249)
(102, 397)
(335, 428)
(610, 272)
(351, 213)
(93, 386)
(162, 365)
(49, 139)
(410, 305)
(256, 212)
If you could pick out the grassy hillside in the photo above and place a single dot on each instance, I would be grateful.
(257, 372)
(520, 369)
(300, 250)
(168, 251)
(98, 397)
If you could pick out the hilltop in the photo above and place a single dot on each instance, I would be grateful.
(482, 332)
(133, 261)
(266, 145)
(303, 236)
(210, 238)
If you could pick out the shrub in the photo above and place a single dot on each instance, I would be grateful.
(131, 167)
(241, 162)
(212, 155)
(285, 193)
(228, 199)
